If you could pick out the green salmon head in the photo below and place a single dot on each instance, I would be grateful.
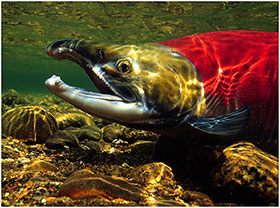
(145, 85)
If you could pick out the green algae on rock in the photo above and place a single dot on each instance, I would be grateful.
(61, 138)
(86, 132)
(117, 131)
(12, 97)
(111, 132)
(29, 124)
(75, 119)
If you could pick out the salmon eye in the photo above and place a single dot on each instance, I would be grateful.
(124, 66)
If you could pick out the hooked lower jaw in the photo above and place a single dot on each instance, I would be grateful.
(68, 49)
(108, 104)
(103, 105)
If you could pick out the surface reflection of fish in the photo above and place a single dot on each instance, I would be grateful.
(220, 83)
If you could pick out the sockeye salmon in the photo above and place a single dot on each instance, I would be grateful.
(217, 83)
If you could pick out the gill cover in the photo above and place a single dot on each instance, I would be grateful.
(141, 85)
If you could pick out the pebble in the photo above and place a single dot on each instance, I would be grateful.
(143, 147)
(111, 133)
(6, 165)
(248, 174)
(158, 202)
(124, 174)
(57, 201)
(153, 173)
(131, 135)
(94, 147)
(41, 165)
(87, 132)
(62, 138)
(196, 199)
(158, 180)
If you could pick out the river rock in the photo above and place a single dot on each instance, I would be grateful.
(61, 138)
(41, 165)
(5, 108)
(87, 132)
(94, 147)
(158, 180)
(12, 97)
(131, 135)
(75, 119)
(195, 198)
(84, 184)
(247, 174)
(29, 123)
(153, 173)
(111, 132)
(143, 147)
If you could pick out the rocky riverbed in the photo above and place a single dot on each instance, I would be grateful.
(53, 154)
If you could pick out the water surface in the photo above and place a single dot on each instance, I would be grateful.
(27, 27)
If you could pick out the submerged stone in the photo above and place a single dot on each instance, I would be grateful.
(41, 165)
(74, 119)
(85, 184)
(88, 132)
(153, 173)
(248, 174)
(5, 108)
(195, 198)
(61, 138)
(159, 183)
(132, 135)
(111, 132)
(12, 97)
(29, 123)
(94, 147)
(143, 147)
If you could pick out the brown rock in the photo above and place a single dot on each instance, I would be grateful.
(84, 185)
(195, 198)
(84, 173)
(41, 165)
(157, 202)
(159, 184)
(61, 138)
(111, 132)
(247, 173)
(153, 173)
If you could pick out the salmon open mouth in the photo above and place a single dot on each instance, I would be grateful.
(116, 101)
(68, 49)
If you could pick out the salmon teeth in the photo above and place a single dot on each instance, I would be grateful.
(99, 73)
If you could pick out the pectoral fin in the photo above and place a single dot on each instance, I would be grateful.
(227, 124)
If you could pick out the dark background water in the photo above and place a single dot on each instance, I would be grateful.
(27, 27)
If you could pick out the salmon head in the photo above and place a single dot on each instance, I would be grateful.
(140, 85)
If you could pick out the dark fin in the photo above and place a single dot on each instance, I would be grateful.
(227, 124)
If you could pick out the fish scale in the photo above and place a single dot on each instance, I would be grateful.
(237, 68)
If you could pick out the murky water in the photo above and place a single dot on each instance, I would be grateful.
(27, 27)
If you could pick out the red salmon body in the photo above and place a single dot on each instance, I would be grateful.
(238, 68)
